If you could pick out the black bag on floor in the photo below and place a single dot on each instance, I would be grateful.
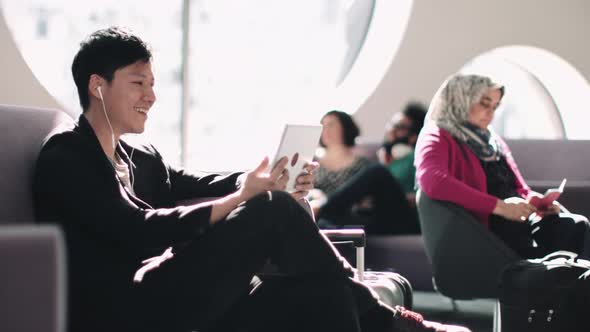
(546, 294)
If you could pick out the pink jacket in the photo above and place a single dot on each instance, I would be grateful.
(447, 170)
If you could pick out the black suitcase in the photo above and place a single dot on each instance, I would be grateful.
(546, 294)
(393, 289)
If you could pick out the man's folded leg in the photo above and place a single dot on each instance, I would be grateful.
(200, 285)
(297, 304)
(207, 277)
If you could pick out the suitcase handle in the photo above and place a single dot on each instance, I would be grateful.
(354, 235)
(359, 240)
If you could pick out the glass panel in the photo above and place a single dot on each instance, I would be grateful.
(256, 65)
(527, 109)
(48, 34)
(569, 89)
(543, 93)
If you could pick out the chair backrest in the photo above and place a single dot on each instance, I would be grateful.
(367, 148)
(32, 281)
(552, 160)
(544, 163)
(466, 257)
(22, 131)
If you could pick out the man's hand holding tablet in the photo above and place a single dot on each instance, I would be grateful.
(298, 144)
(291, 169)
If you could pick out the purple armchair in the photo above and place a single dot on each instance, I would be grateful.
(32, 281)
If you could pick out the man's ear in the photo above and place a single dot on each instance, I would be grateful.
(93, 84)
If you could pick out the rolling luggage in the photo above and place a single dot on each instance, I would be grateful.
(393, 289)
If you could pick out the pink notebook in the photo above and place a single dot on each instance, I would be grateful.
(542, 203)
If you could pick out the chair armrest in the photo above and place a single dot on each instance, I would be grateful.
(32, 282)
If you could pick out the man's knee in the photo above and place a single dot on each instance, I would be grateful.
(578, 218)
(276, 206)
(270, 199)
(575, 221)
(581, 223)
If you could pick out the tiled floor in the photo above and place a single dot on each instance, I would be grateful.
(475, 314)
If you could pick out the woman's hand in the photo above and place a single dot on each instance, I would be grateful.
(251, 184)
(304, 182)
(514, 208)
(259, 180)
(554, 208)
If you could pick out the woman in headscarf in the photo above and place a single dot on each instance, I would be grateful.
(460, 159)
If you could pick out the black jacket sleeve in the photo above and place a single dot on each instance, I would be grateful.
(162, 185)
(79, 189)
(185, 185)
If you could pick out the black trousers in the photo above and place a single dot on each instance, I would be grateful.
(391, 213)
(541, 236)
(207, 285)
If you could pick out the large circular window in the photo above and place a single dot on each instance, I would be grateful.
(252, 65)
(256, 67)
(543, 93)
(48, 34)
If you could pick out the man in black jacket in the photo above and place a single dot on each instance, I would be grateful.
(139, 262)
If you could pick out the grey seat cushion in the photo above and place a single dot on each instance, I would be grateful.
(32, 281)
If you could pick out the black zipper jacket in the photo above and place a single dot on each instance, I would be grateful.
(108, 230)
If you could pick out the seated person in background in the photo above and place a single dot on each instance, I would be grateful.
(338, 162)
(351, 190)
(397, 152)
(138, 262)
(460, 159)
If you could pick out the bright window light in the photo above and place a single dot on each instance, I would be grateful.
(543, 93)
(257, 65)
(253, 65)
(48, 34)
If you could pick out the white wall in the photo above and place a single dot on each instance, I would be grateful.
(441, 36)
(18, 85)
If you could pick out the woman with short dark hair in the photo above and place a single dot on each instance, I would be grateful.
(351, 190)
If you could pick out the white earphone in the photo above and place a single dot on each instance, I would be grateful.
(100, 93)
(113, 134)
(104, 109)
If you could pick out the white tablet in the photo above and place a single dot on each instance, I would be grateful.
(298, 143)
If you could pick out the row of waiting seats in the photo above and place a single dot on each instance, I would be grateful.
(32, 281)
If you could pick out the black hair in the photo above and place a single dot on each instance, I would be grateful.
(416, 112)
(350, 131)
(102, 53)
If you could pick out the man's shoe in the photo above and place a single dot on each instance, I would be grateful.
(409, 321)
